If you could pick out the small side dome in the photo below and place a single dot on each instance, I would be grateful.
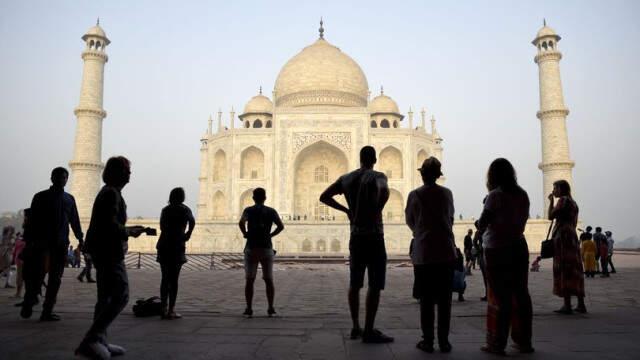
(96, 31)
(258, 104)
(382, 104)
(546, 31)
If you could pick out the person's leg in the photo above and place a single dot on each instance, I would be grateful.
(376, 262)
(267, 275)
(33, 276)
(173, 286)
(357, 268)
(604, 265)
(613, 268)
(248, 293)
(371, 308)
(499, 296)
(427, 318)
(56, 269)
(164, 288)
(522, 316)
(250, 270)
(354, 307)
(19, 280)
(443, 293)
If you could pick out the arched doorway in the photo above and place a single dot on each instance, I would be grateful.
(391, 162)
(219, 166)
(394, 208)
(219, 205)
(315, 168)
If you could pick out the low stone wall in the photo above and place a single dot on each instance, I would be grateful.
(319, 238)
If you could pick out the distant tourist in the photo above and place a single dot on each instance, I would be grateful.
(468, 245)
(6, 249)
(77, 257)
(610, 242)
(603, 251)
(429, 215)
(86, 271)
(52, 212)
(176, 226)
(107, 243)
(70, 257)
(459, 276)
(366, 192)
(256, 224)
(17, 260)
(588, 251)
(503, 220)
(477, 244)
(568, 277)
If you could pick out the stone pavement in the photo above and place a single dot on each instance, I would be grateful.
(313, 321)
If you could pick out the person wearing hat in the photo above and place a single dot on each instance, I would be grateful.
(429, 215)
(610, 251)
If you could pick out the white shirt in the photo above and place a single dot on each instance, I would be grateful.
(429, 215)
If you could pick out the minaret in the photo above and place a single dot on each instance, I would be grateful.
(556, 163)
(86, 166)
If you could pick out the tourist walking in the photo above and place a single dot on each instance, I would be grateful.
(17, 260)
(429, 215)
(256, 224)
(603, 251)
(610, 242)
(477, 244)
(568, 277)
(6, 249)
(176, 226)
(52, 212)
(86, 271)
(588, 252)
(366, 192)
(503, 220)
(468, 256)
(107, 238)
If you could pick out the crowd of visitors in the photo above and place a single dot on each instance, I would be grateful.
(498, 247)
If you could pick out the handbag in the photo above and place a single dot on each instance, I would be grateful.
(546, 247)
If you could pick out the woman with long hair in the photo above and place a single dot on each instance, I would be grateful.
(503, 219)
(568, 277)
(176, 218)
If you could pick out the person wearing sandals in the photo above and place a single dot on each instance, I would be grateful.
(175, 219)
(568, 279)
(366, 192)
(503, 220)
(256, 223)
(429, 215)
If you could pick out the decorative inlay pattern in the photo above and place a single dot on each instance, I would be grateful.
(339, 139)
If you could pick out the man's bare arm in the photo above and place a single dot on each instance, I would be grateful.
(279, 226)
(242, 224)
(327, 198)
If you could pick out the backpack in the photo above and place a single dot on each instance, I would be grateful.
(148, 307)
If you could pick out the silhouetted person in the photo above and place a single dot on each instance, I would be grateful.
(503, 220)
(568, 278)
(477, 243)
(86, 271)
(256, 223)
(176, 226)
(610, 242)
(468, 256)
(52, 212)
(429, 215)
(366, 192)
(106, 243)
(603, 251)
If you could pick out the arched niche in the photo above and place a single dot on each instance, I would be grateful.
(219, 166)
(219, 205)
(394, 208)
(421, 157)
(246, 200)
(252, 163)
(390, 162)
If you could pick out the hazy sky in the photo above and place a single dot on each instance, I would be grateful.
(172, 63)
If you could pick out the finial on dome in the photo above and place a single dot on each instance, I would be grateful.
(98, 22)
(321, 30)
(260, 90)
(381, 90)
(544, 22)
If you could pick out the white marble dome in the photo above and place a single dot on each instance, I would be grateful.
(383, 104)
(321, 74)
(259, 104)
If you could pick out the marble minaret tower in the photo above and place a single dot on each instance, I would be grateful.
(556, 162)
(86, 166)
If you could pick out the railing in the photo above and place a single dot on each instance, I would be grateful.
(214, 261)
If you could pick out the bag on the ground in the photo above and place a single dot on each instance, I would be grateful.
(148, 307)
(546, 247)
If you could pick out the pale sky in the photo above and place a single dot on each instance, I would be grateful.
(172, 63)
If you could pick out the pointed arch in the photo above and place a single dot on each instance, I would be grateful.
(306, 245)
(394, 209)
(219, 166)
(421, 157)
(252, 163)
(391, 162)
(384, 123)
(335, 246)
(246, 200)
(219, 205)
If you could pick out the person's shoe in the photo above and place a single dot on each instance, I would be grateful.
(492, 350)
(271, 312)
(174, 315)
(460, 297)
(90, 280)
(580, 309)
(484, 298)
(523, 349)
(356, 333)
(80, 278)
(375, 336)
(445, 347)
(425, 346)
(115, 350)
(93, 350)
(26, 311)
(49, 317)
(564, 311)
(248, 313)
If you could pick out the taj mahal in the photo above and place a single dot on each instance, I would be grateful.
(302, 138)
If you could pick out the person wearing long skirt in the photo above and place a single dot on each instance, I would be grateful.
(503, 220)
(588, 252)
(175, 219)
(568, 279)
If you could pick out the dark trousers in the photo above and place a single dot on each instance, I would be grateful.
(509, 303)
(433, 283)
(604, 264)
(169, 283)
(113, 295)
(37, 264)
(613, 268)
(483, 271)
(88, 264)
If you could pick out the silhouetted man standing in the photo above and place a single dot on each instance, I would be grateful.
(52, 211)
(366, 192)
(107, 244)
(259, 248)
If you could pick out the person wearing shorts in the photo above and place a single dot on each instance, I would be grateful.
(256, 223)
(366, 192)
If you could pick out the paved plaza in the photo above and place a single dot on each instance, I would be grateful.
(313, 321)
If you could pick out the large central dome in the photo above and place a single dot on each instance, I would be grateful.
(321, 74)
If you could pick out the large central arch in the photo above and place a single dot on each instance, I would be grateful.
(315, 168)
